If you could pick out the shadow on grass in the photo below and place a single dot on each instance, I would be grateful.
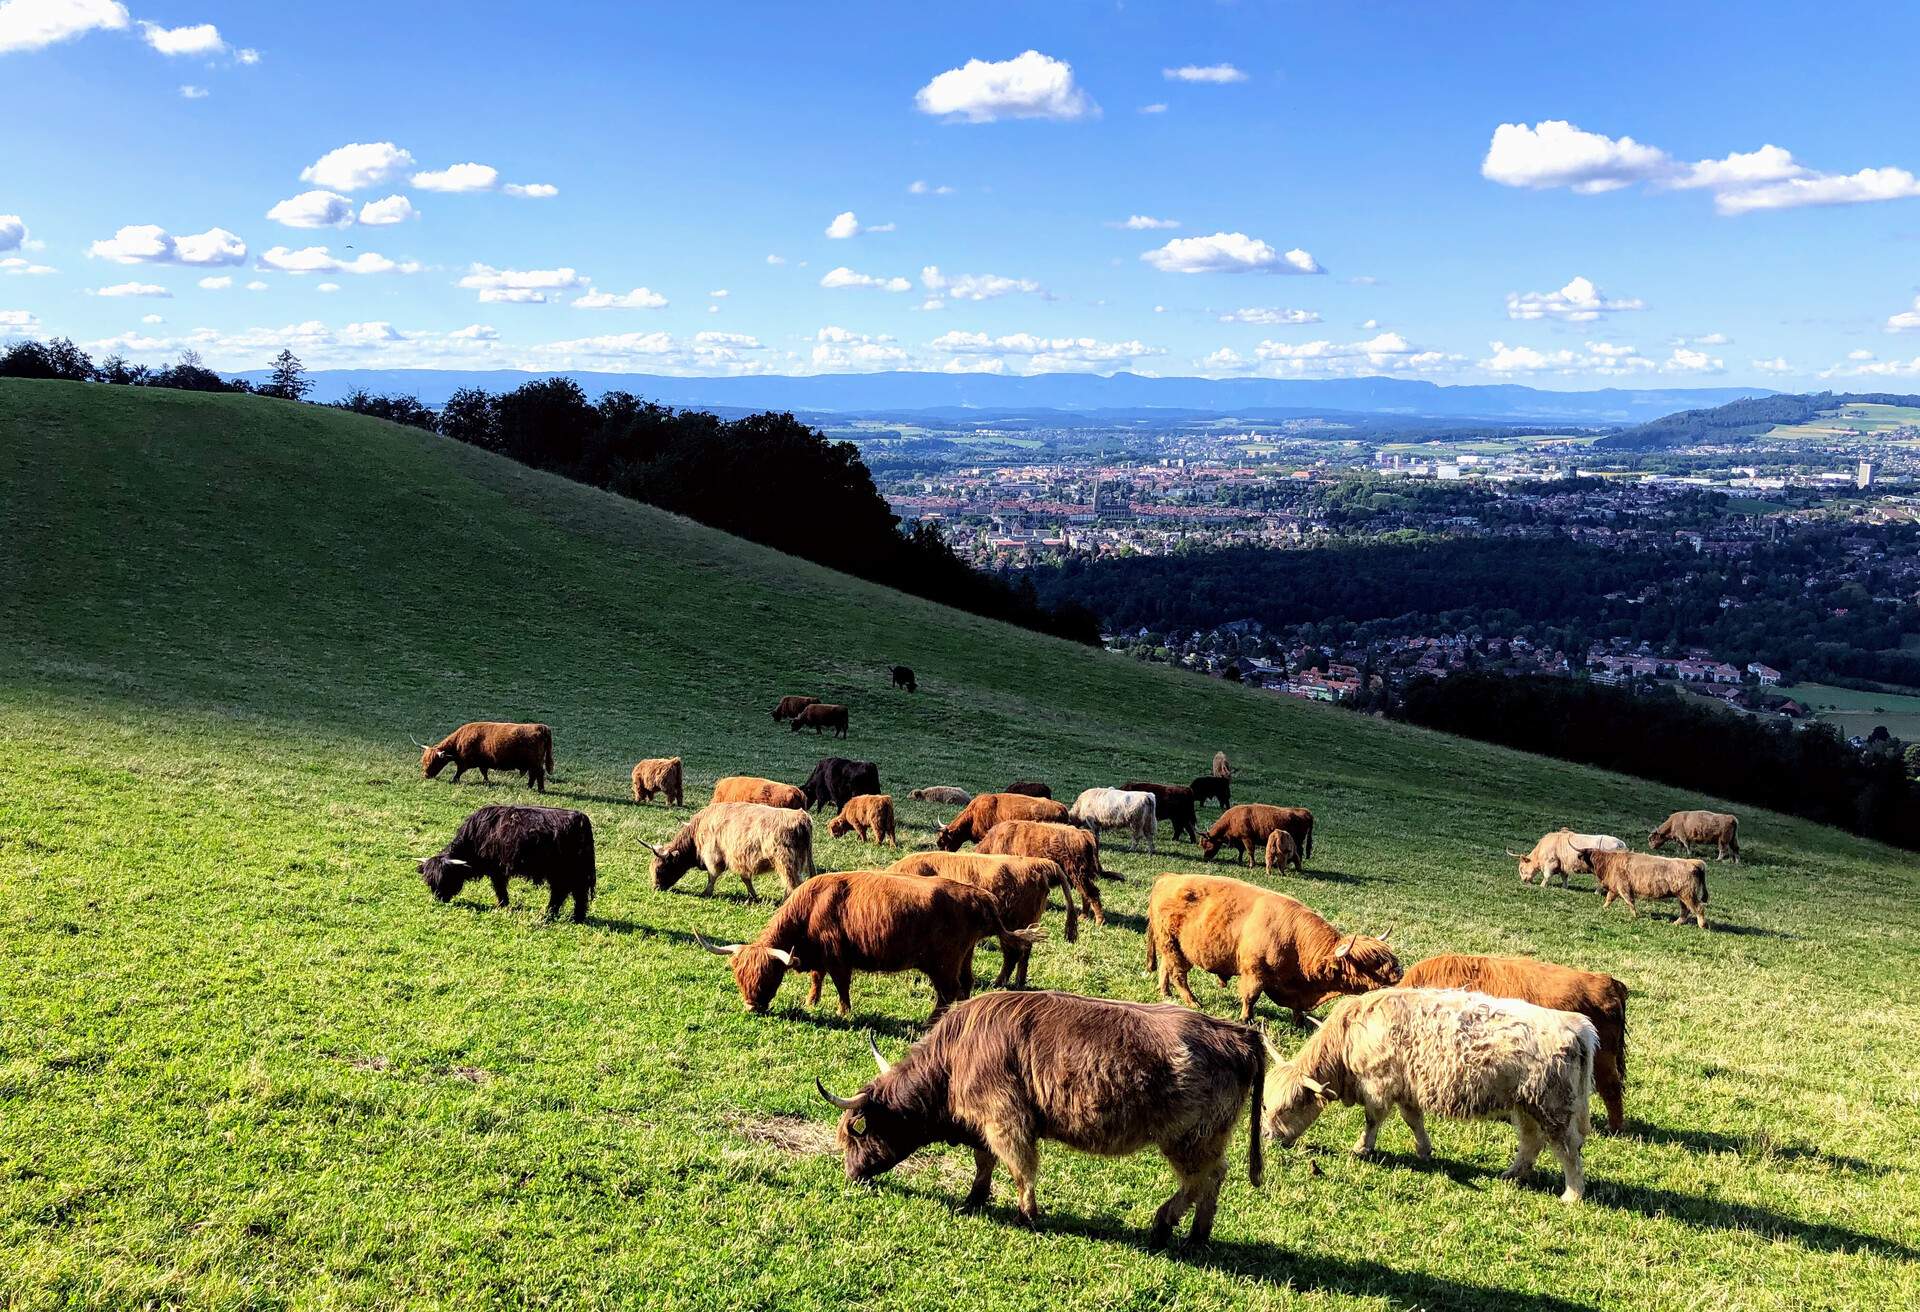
(1749, 931)
(1338, 877)
(827, 1017)
(1115, 920)
(1713, 1141)
(1764, 1222)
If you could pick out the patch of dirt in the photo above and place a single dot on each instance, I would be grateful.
(795, 1136)
(471, 1074)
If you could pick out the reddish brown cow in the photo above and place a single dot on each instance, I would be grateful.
(659, 775)
(1074, 849)
(1602, 999)
(1276, 945)
(1248, 825)
(1018, 886)
(871, 814)
(750, 788)
(791, 706)
(869, 920)
(989, 809)
(486, 745)
(1281, 852)
(1631, 875)
(821, 716)
(1028, 788)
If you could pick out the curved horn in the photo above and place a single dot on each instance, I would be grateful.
(1386, 934)
(878, 1060)
(844, 1104)
(782, 956)
(1517, 856)
(455, 861)
(1312, 1019)
(727, 951)
(650, 847)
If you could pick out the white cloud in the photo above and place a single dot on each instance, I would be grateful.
(1821, 189)
(1555, 153)
(328, 287)
(200, 39)
(776, 259)
(1144, 223)
(1031, 85)
(1607, 359)
(16, 266)
(720, 294)
(476, 332)
(216, 284)
(1578, 302)
(318, 259)
(845, 277)
(1387, 352)
(1777, 365)
(640, 298)
(13, 232)
(1859, 353)
(313, 209)
(387, 210)
(152, 318)
(1705, 339)
(1228, 252)
(1155, 108)
(460, 177)
(1685, 361)
(1036, 354)
(919, 187)
(257, 286)
(705, 352)
(152, 289)
(531, 190)
(1215, 73)
(18, 322)
(1907, 320)
(246, 56)
(1225, 360)
(37, 24)
(839, 351)
(357, 166)
(1268, 315)
(191, 92)
(974, 286)
(521, 286)
(151, 244)
(845, 225)
(1865, 366)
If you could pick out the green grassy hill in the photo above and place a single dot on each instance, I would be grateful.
(246, 1061)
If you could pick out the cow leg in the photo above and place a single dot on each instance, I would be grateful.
(1632, 910)
(499, 890)
(1006, 965)
(1025, 951)
(1249, 994)
(1567, 1149)
(1371, 1131)
(1531, 1142)
(557, 902)
(458, 770)
(747, 880)
(1175, 968)
(1417, 1122)
(843, 985)
(713, 877)
(1090, 894)
(1021, 1156)
(1207, 1201)
(485, 778)
(978, 1196)
(1608, 1082)
(1606, 901)
(817, 978)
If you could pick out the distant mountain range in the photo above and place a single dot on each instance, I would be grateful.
(987, 394)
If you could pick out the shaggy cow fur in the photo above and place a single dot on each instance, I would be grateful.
(744, 837)
(1173, 803)
(1074, 850)
(871, 814)
(1248, 825)
(942, 794)
(788, 707)
(1028, 788)
(989, 809)
(821, 716)
(835, 779)
(903, 678)
(487, 745)
(766, 792)
(659, 775)
(540, 844)
(1110, 808)
(1282, 851)
(1633, 875)
(1560, 853)
(1689, 828)
(1212, 788)
(1018, 886)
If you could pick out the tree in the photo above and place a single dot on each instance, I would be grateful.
(289, 381)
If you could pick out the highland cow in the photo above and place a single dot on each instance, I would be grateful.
(790, 706)
(1633, 875)
(1110, 808)
(1173, 803)
(821, 716)
(658, 775)
(1248, 826)
(942, 794)
(1073, 849)
(988, 810)
(835, 779)
(765, 792)
(487, 745)
(744, 837)
(1688, 828)
(540, 844)
(1018, 886)
(871, 814)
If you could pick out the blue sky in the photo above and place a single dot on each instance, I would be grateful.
(1466, 193)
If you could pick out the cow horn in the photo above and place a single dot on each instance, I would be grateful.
(650, 847)
(727, 951)
(782, 956)
(878, 1060)
(453, 861)
(852, 1104)
(1312, 1019)
(1515, 855)
(1385, 935)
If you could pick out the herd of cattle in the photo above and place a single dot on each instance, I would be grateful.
(1455, 1036)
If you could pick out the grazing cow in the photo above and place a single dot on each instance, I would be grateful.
(870, 920)
(1221, 770)
(1560, 853)
(1018, 886)
(989, 809)
(835, 779)
(540, 844)
(661, 774)
(821, 716)
(1028, 788)
(752, 788)
(1248, 826)
(1275, 944)
(1462, 1055)
(1602, 999)
(1074, 850)
(1007, 1070)
(788, 707)
(1174, 804)
(1212, 788)
(744, 837)
(1690, 827)
(1110, 808)
(1632, 875)
(487, 745)
(1282, 851)
(871, 814)
(903, 678)
(942, 794)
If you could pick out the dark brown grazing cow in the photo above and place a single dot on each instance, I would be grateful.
(1070, 847)
(486, 745)
(903, 678)
(869, 920)
(1018, 886)
(1028, 788)
(752, 788)
(1212, 788)
(836, 778)
(1247, 826)
(1602, 999)
(1275, 944)
(540, 844)
(988, 810)
(1007, 1070)
(821, 716)
(661, 774)
(1632, 875)
(1174, 803)
(788, 707)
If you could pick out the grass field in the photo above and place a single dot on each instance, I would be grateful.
(1850, 421)
(247, 1062)
(1857, 712)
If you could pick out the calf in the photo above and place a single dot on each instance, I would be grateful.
(1275, 944)
(988, 810)
(788, 707)
(872, 921)
(1282, 851)
(487, 745)
(1110, 808)
(1028, 788)
(1702, 827)
(1221, 770)
(751, 788)
(1560, 853)
(1632, 875)
(1248, 826)
(1212, 788)
(1173, 803)
(659, 775)
(903, 678)
(871, 814)
(744, 837)
(540, 844)
(1602, 999)
(821, 716)
(1005, 1071)
(1018, 886)
(942, 794)
(835, 779)
(1451, 1053)
(1074, 850)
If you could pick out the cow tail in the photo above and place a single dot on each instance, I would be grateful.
(1073, 915)
(1309, 843)
(549, 750)
(1256, 1163)
(1589, 1046)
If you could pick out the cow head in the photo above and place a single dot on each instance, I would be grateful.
(875, 1134)
(672, 861)
(1659, 837)
(948, 839)
(1294, 1102)
(445, 875)
(757, 970)
(839, 827)
(1363, 963)
(1208, 846)
(433, 761)
(1529, 865)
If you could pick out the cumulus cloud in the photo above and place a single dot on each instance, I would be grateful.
(17, 265)
(37, 24)
(18, 323)
(531, 190)
(257, 286)
(151, 244)
(1228, 252)
(190, 92)
(200, 39)
(328, 287)
(521, 286)
(318, 259)
(151, 289)
(640, 298)
(1905, 321)
(1777, 365)
(1224, 360)
(720, 293)
(1144, 223)
(776, 259)
(217, 283)
(1215, 73)
(839, 350)
(152, 318)
(1578, 302)
(1863, 365)
(470, 177)
(313, 209)
(1030, 85)
(1032, 353)
(386, 211)
(920, 187)
(845, 277)
(1607, 359)
(476, 332)
(317, 344)
(973, 286)
(845, 225)
(1555, 153)
(357, 166)
(1387, 352)
(1155, 108)
(706, 352)
(1270, 315)
(13, 232)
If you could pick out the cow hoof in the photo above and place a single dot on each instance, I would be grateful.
(973, 1204)
(1159, 1236)
(1569, 1196)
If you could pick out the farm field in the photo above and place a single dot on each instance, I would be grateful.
(247, 1062)
(1857, 712)
(1852, 421)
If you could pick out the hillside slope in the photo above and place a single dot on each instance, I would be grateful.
(245, 1060)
